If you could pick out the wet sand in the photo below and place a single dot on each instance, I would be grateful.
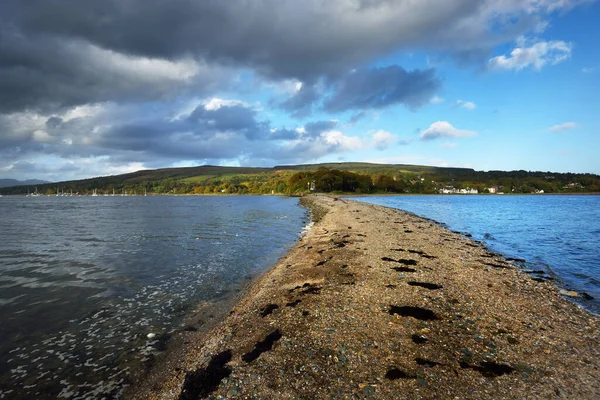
(378, 303)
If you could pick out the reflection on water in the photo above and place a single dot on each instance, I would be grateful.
(556, 233)
(84, 280)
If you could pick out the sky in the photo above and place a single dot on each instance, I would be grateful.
(93, 88)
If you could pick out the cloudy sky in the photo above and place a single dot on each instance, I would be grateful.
(91, 88)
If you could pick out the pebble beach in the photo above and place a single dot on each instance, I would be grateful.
(376, 303)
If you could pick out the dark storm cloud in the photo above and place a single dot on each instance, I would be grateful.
(366, 89)
(316, 128)
(69, 52)
(381, 87)
(141, 136)
(284, 37)
(53, 122)
(237, 118)
(301, 103)
(49, 73)
(204, 133)
(150, 143)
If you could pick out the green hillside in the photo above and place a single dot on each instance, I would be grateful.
(339, 177)
(371, 168)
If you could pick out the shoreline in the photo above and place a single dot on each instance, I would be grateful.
(346, 195)
(379, 303)
(196, 327)
(574, 295)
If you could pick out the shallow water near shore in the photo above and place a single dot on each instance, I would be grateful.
(90, 287)
(559, 235)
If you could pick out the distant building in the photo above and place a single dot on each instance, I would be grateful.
(573, 185)
(493, 189)
(452, 190)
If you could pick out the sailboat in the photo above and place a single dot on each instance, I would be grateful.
(34, 194)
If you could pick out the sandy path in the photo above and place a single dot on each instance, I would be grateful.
(377, 303)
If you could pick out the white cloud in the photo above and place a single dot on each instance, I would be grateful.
(286, 86)
(469, 105)
(443, 129)
(563, 127)
(141, 68)
(588, 70)
(216, 103)
(84, 111)
(40, 135)
(536, 56)
(553, 5)
(20, 125)
(342, 142)
(382, 139)
(436, 100)
(305, 149)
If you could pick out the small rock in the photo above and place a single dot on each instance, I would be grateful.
(151, 335)
(569, 293)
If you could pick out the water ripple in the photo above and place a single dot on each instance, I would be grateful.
(84, 280)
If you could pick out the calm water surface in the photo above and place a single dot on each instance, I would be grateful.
(83, 280)
(559, 234)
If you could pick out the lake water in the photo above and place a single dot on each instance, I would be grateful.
(558, 234)
(84, 280)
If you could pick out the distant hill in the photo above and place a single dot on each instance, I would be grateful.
(374, 178)
(186, 172)
(372, 168)
(147, 179)
(153, 180)
(14, 182)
